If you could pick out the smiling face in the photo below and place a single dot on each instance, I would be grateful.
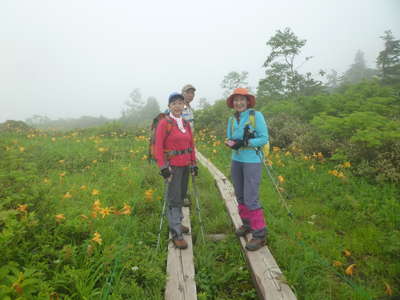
(188, 95)
(240, 103)
(176, 107)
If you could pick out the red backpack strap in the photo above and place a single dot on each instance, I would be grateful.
(170, 123)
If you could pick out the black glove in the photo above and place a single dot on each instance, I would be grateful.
(166, 173)
(237, 144)
(194, 170)
(248, 135)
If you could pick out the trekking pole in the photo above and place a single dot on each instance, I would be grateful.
(196, 196)
(163, 212)
(281, 198)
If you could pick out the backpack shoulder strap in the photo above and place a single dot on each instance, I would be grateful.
(232, 120)
(252, 118)
(170, 123)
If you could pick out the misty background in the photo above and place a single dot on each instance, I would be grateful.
(67, 59)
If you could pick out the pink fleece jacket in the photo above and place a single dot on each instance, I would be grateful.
(175, 140)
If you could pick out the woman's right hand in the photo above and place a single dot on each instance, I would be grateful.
(234, 144)
(229, 143)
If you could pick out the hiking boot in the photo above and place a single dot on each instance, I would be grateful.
(180, 243)
(243, 230)
(255, 244)
(187, 202)
(184, 229)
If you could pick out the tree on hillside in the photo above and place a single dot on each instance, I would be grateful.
(332, 80)
(234, 80)
(38, 120)
(388, 60)
(137, 111)
(282, 76)
(134, 105)
(358, 71)
(203, 103)
(150, 110)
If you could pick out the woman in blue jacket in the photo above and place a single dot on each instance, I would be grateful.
(247, 133)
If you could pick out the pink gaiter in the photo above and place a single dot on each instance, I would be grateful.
(244, 212)
(257, 220)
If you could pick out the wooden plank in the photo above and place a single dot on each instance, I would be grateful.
(267, 276)
(180, 268)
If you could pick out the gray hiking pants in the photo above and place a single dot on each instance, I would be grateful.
(246, 181)
(177, 189)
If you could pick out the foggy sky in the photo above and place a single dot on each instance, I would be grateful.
(71, 58)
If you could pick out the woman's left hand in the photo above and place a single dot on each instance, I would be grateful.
(194, 170)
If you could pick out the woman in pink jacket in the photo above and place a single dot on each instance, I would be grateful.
(175, 156)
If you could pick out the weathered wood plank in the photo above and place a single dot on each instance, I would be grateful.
(180, 268)
(268, 278)
(216, 237)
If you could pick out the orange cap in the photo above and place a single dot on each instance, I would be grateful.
(244, 92)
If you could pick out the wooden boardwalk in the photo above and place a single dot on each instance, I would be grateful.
(267, 276)
(180, 268)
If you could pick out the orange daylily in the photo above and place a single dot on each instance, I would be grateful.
(96, 205)
(67, 195)
(388, 289)
(105, 212)
(346, 252)
(60, 218)
(126, 210)
(97, 238)
(22, 208)
(350, 269)
(337, 263)
(346, 164)
(148, 194)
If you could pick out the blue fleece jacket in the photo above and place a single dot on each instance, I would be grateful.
(261, 136)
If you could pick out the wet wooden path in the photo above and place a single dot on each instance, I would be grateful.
(267, 276)
(180, 268)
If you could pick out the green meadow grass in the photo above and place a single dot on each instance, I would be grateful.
(337, 220)
(66, 174)
(62, 234)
